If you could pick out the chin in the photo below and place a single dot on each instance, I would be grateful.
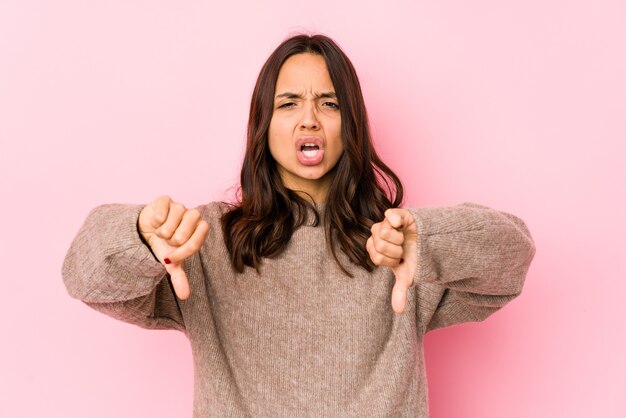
(315, 175)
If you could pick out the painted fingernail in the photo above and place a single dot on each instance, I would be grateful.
(167, 260)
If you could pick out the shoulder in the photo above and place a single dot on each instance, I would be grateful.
(214, 210)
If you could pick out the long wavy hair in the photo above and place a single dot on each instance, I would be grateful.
(263, 220)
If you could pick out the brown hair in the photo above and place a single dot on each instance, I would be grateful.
(362, 188)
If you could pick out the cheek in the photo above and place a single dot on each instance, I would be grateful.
(277, 140)
(278, 129)
(276, 150)
(339, 151)
(335, 134)
(272, 134)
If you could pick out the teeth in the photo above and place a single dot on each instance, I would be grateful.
(310, 153)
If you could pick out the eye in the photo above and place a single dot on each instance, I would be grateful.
(332, 105)
(286, 105)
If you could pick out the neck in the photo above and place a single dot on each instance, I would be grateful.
(312, 190)
(315, 196)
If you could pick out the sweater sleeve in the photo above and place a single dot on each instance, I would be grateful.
(110, 269)
(472, 260)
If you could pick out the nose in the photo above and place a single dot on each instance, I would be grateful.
(309, 118)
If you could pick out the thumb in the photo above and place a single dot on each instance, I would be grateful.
(404, 274)
(398, 296)
(179, 279)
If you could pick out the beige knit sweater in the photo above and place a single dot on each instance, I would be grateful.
(301, 338)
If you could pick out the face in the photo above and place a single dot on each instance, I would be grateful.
(305, 130)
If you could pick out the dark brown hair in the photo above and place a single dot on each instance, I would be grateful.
(362, 187)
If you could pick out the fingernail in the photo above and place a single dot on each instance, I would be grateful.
(167, 260)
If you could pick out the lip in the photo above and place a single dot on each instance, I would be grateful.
(310, 160)
(309, 140)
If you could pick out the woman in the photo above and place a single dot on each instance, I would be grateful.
(288, 296)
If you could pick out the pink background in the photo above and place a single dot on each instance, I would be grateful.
(517, 105)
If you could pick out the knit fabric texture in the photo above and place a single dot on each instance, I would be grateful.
(300, 338)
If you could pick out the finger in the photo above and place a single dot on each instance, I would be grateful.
(174, 217)
(398, 217)
(179, 280)
(160, 210)
(398, 296)
(387, 249)
(378, 258)
(192, 246)
(388, 233)
(369, 247)
(186, 228)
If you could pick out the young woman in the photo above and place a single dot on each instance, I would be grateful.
(311, 295)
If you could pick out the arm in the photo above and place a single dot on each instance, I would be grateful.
(463, 262)
(472, 260)
(109, 267)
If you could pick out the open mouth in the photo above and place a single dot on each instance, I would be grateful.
(309, 150)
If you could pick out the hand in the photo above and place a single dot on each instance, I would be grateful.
(394, 244)
(173, 233)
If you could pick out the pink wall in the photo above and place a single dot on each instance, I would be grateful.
(517, 105)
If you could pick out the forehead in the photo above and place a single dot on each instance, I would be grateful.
(304, 72)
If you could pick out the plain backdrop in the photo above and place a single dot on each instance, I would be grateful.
(516, 105)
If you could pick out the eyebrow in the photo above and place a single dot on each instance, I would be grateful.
(323, 95)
